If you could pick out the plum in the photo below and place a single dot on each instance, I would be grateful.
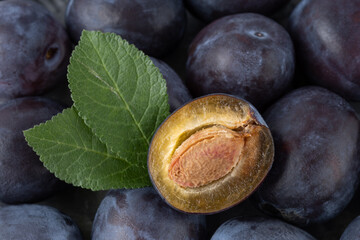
(352, 231)
(247, 55)
(210, 154)
(142, 214)
(23, 178)
(327, 38)
(33, 221)
(317, 156)
(259, 228)
(213, 9)
(35, 49)
(176, 89)
(154, 27)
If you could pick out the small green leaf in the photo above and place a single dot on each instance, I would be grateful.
(68, 148)
(118, 92)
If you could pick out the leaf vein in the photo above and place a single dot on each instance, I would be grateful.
(120, 96)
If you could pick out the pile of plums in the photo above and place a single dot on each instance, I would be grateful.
(274, 152)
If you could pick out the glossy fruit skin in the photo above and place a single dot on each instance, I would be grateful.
(317, 156)
(259, 228)
(352, 231)
(23, 178)
(27, 222)
(246, 55)
(154, 27)
(176, 89)
(142, 214)
(35, 49)
(327, 43)
(210, 10)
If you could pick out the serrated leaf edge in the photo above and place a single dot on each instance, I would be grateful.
(83, 116)
(79, 182)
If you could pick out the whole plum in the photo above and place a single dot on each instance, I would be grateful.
(176, 89)
(213, 9)
(154, 27)
(32, 221)
(259, 228)
(317, 156)
(142, 214)
(23, 178)
(327, 42)
(352, 231)
(247, 55)
(35, 49)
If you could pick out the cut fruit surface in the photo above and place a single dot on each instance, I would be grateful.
(210, 154)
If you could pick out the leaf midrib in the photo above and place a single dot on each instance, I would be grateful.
(84, 149)
(117, 90)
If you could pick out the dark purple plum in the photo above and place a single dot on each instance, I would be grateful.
(154, 26)
(32, 221)
(247, 55)
(35, 49)
(23, 178)
(327, 42)
(209, 10)
(317, 156)
(142, 214)
(176, 89)
(352, 231)
(259, 228)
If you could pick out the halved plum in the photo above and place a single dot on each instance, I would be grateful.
(211, 154)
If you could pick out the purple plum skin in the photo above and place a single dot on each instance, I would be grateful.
(209, 10)
(23, 178)
(259, 228)
(32, 221)
(352, 231)
(327, 43)
(142, 214)
(247, 55)
(35, 49)
(176, 89)
(154, 27)
(317, 152)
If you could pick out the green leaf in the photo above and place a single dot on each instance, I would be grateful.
(119, 101)
(118, 92)
(68, 148)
